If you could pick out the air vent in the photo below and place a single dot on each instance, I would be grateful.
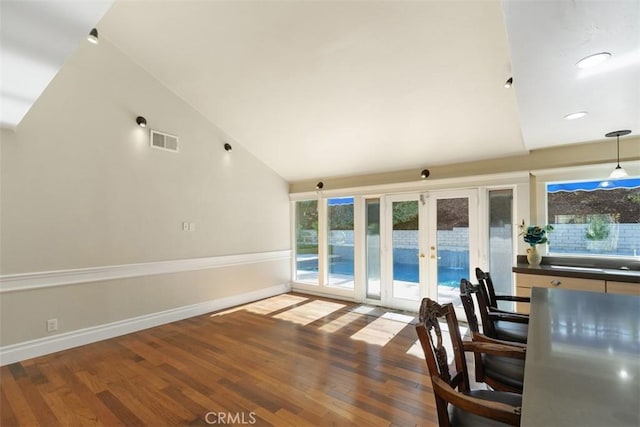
(164, 141)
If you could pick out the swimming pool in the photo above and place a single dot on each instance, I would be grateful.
(447, 276)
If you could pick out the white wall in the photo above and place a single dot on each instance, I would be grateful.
(81, 188)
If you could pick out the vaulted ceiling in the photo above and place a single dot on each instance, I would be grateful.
(325, 88)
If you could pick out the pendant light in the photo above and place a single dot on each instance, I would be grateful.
(618, 172)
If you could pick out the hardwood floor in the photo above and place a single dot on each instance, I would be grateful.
(287, 360)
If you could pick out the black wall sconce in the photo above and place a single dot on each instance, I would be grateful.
(508, 83)
(425, 174)
(141, 121)
(227, 146)
(92, 37)
(320, 185)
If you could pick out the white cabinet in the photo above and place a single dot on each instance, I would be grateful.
(524, 283)
(625, 288)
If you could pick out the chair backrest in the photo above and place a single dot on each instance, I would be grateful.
(467, 290)
(466, 296)
(433, 344)
(453, 387)
(485, 282)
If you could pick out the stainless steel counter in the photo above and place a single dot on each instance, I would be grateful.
(583, 360)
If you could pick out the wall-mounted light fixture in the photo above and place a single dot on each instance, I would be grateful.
(141, 121)
(320, 185)
(93, 36)
(618, 172)
(425, 174)
(227, 146)
(508, 83)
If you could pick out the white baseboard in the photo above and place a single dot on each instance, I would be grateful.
(295, 287)
(39, 347)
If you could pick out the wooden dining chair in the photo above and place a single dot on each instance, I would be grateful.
(484, 280)
(456, 403)
(500, 373)
(498, 324)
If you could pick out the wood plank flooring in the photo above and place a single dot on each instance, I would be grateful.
(288, 360)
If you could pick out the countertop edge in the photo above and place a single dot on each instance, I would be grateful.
(606, 274)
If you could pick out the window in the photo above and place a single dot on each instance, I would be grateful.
(600, 218)
(307, 241)
(501, 241)
(340, 242)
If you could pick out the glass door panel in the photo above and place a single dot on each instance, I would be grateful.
(373, 248)
(501, 243)
(405, 250)
(307, 241)
(452, 243)
(340, 237)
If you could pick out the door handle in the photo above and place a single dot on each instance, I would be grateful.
(433, 252)
(422, 255)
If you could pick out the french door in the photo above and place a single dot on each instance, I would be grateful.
(429, 242)
(403, 240)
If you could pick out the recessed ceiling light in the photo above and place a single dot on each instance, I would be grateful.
(593, 60)
(573, 116)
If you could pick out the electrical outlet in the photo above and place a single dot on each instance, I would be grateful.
(192, 226)
(52, 325)
(185, 226)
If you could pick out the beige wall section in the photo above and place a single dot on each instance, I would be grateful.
(82, 188)
(559, 157)
(23, 315)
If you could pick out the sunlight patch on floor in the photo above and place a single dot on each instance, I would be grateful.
(416, 350)
(267, 306)
(276, 303)
(340, 322)
(310, 312)
(398, 317)
(365, 309)
(379, 332)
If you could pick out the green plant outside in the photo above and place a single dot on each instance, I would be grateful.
(598, 229)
